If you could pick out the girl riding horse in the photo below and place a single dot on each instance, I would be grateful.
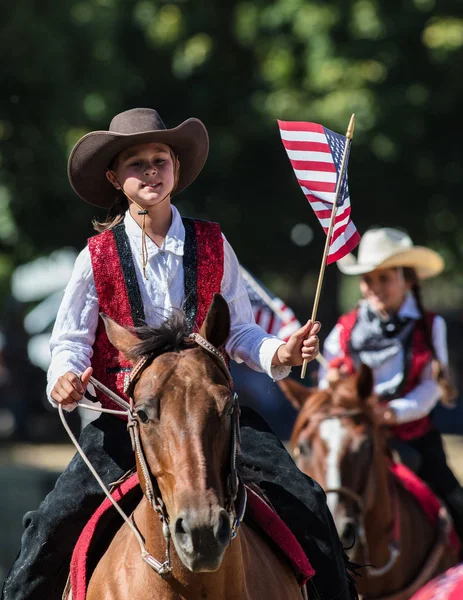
(405, 346)
(380, 509)
(146, 262)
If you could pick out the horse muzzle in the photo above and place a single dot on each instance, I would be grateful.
(201, 538)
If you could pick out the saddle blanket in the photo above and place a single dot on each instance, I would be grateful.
(429, 502)
(448, 586)
(104, 523)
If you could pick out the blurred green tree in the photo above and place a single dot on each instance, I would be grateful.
(68, 67)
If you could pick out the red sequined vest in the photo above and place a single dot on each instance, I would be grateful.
(418, 357)
(119, 294)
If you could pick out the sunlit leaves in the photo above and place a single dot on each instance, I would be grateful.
(279, 13)
(278, 64)
(8, 232)
(417, 94)
(287, 103)
(444, 34)
(314, 20)
(94, 105)
(366, 22)
(383, 147)
(6, 130)
(162, 26)
(104, 50)
(246, 22)
(72, 136)
(145, 13)
(424, 5)
(68, 67)
(192, 54)
(82, 12)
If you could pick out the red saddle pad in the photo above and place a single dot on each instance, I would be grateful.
(84, 559)
(427, 499)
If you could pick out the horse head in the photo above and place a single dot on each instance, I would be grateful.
(335, 440)
(184, 408)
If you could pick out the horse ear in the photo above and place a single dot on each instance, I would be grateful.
(364, 382)
(295, 392)
(119, 337)
(216, 326)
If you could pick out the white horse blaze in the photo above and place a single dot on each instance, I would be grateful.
(333, 433)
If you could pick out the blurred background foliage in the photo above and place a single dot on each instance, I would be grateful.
(67, 67)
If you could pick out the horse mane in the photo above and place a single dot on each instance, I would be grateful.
(343, 397)
(171, 336)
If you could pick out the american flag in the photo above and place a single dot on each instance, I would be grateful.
(316, 155)
(270, 312)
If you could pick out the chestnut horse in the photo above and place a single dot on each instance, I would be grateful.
(184, 411)
(336, 440)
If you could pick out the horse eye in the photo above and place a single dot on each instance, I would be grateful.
(143, 415)
(303, 449)
(230, 409)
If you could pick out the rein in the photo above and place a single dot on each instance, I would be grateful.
(394, 551)
(151, 489)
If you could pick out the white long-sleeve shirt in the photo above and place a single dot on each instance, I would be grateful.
(422, 398)
(76, 323)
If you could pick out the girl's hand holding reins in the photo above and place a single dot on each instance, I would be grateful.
(302, 345)
(70, 388)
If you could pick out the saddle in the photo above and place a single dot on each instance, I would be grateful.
(105, 522)
(425, 497)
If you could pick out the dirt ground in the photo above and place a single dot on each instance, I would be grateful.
(454, 448)
(28, 472)
(55, 458)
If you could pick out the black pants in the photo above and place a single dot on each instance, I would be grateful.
(51, 532)
(426, 457)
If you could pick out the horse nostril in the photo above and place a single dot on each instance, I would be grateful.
(180, 526)
(223, 529)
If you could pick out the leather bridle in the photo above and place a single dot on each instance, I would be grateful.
(394, 546)
(236, 491)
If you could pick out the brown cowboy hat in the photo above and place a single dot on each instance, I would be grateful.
(92, 155)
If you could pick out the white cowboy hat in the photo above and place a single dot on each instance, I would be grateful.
(386, 248)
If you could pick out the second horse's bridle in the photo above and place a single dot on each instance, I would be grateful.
(394, 549)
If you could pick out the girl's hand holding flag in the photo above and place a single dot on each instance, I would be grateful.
(303, 345)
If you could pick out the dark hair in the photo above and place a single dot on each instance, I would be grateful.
(171, 336)
(120, 205)
(440, 372)
(115, 213)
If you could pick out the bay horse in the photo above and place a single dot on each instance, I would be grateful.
(184, 409)
(336, 440)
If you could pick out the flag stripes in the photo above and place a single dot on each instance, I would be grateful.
(316, 154)
(270, 312)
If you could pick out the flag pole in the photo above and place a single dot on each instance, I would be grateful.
(349, 136)
(273, 305)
